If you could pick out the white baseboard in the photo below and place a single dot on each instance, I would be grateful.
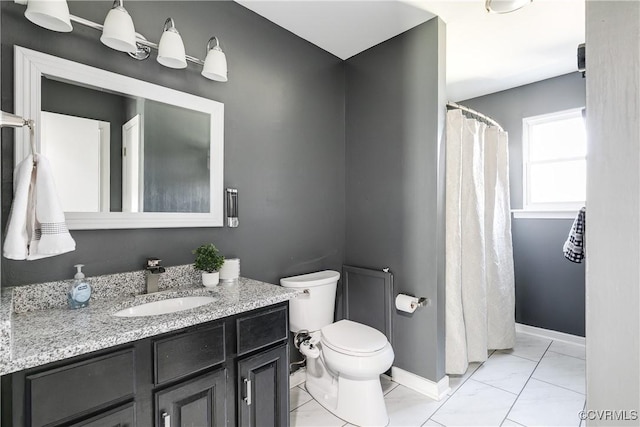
(422, 385)
(298, 377)
(549, 334)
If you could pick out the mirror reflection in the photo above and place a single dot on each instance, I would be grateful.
(118, 153)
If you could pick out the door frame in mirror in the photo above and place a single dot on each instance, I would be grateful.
(30, 66)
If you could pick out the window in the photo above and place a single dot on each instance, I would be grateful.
(554, 161)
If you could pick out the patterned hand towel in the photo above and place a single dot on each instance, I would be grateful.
(573, 248)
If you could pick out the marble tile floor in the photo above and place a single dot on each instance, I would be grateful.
(538, 383)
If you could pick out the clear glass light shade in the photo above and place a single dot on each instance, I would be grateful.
(50, 14)
(171, 50)
(505, 6)
(215, 65)
(118, 32)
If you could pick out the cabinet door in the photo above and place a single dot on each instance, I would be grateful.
(123, 416)
(263, 388)
(198, 402)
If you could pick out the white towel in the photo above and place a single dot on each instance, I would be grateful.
(16, 243)
(37, 227)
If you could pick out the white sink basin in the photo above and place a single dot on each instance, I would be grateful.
(165, 306)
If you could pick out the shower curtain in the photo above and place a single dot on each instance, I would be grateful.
(480, 300)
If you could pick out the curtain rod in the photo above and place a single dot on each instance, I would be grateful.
(475, 114)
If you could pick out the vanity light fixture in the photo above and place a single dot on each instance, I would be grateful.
(505, 6)
(118, 32)
(215, 64)
(50, 14)
(171, 47)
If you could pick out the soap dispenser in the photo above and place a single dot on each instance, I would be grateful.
(79, 291)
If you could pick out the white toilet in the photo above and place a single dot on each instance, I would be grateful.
(345, 358)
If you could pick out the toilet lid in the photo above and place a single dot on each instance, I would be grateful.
(353, 337)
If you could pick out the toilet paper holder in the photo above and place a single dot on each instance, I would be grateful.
(410, 303)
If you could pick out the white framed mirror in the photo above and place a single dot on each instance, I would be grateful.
(125, 153)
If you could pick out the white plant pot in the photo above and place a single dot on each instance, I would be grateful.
(210, 280)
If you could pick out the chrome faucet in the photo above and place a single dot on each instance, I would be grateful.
(154, 270)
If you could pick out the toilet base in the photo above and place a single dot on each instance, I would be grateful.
(359, 402)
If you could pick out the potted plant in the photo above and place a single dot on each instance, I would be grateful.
(208, 260)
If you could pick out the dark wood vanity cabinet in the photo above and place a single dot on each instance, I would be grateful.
(200, 402)
(231, 371)
(263, 397)
(122, 416)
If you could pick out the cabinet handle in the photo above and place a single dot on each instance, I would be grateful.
(247, 384)
(166, 419)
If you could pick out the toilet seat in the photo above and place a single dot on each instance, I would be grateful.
(352, 338)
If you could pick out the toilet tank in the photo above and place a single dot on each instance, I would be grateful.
(313, 309)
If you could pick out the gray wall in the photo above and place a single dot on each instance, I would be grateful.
(395, 108)
(550, 290)
(284, 140)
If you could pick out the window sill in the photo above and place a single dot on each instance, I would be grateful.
(550, 214)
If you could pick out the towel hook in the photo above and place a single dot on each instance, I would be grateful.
(11, 120)
(32, 139)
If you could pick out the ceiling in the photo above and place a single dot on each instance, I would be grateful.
(486, 53)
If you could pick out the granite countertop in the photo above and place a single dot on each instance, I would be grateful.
(39, 336)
